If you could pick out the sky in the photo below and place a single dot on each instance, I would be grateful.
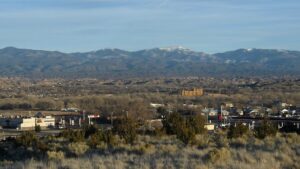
(201, 25)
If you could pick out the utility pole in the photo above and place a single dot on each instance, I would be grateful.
(207, 117)
(111, 118)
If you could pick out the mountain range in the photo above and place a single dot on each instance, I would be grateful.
(156, 62)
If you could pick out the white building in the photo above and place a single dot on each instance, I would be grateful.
(46, 122)
(27, 123)
(209, 127)
(210, 111)
(156, 105)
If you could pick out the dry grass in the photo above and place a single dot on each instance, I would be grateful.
(78, 148)
(148, 152)
(55, 155)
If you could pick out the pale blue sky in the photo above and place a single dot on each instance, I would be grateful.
(202, 25)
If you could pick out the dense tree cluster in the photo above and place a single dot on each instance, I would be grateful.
(126, 128)
(185, 128)
(11, 106)
(265, 129)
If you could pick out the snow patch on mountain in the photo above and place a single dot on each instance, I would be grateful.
(174, 48)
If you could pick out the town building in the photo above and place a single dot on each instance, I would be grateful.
(194, 92)
(27, 123)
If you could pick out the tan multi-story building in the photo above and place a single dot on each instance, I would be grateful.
(194, 92)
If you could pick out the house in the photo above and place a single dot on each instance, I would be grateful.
(285, 105)
(229, 105)
(71, 109)
(269, 110)
(225, 113)
(285, 111)
(254, 112)
(210, 111)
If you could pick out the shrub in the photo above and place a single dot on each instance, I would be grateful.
(55, 155)
(90, 130)
(147, 149)
(42, 146)
(292, 138)
(101, 137)
(37, 128)
(162, 111)
(26, 139)
(25, 106)
(168, 148)
(186, 134)
(126, 129)
(237, 131)
(172, 123)
(185, 129)
(44, 105)
(197, 123)
(109, 138)
(73, 135)
(265, 129)
(78, 148)
(7, 106)
(29, 139)
(238, 142)
(202, 141)
(158, 132)
(218, 155)
(220, 139)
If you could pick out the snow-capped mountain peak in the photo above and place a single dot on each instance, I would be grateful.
(173, 48)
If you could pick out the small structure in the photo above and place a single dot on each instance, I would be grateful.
(153, 124)
(285, 105)
(210, 111)
(209, 127)
(45, 122)
(228, 105)
(23, 123)
(156, 105)
(71, 109)
(69, 120)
